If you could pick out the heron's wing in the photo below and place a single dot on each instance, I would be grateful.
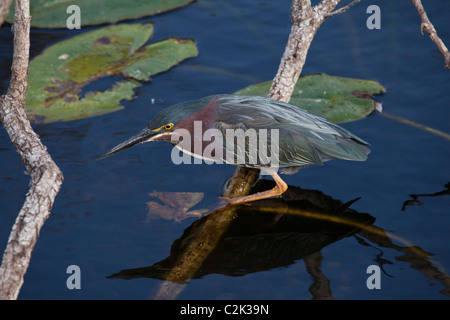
(304, 138)
(296, 149)
(337, 143)
(264, 143)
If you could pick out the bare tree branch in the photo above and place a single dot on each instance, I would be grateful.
(341, 10)
(429, 28)
(4, 9)
(305, 22)
(46, 178)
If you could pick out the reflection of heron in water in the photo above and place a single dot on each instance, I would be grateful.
(273, 233)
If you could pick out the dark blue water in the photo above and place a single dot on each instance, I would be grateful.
(100, 218)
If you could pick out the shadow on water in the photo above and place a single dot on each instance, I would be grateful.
(416, 197)
(273, 233)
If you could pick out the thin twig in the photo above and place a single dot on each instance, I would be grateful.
(429, 28)
(342, 10)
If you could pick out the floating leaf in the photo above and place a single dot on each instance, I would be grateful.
(335, 98)
(59, 74)
(175, 205)
(53, 13)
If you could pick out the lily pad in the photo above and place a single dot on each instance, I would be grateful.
(335, 98)
(58, 75)
(53, 13)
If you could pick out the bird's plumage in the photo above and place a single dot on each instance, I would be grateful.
(304, 138)
(300, 137)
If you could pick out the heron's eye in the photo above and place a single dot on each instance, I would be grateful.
(168, 126)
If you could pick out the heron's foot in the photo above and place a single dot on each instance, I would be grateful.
(227, 202)
(278, 190)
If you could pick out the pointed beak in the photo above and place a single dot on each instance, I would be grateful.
(143, 136)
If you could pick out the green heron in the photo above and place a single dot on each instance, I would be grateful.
(297, 137)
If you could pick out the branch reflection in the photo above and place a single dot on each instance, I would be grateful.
(273, 233)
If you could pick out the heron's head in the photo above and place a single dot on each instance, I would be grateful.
(163, 124)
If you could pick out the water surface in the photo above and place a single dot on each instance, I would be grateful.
(100, 219)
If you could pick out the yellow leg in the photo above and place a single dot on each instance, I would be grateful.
(278, 190)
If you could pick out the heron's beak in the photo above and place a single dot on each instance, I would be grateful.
(142, 137)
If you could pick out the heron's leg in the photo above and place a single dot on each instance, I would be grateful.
(279, 189)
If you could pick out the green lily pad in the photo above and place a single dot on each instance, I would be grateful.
(58, 75)
(53, 13)
(335, 98)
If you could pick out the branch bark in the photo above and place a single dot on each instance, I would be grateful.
(4, 8)
(305, 22)
(429, 28)
(46, 178)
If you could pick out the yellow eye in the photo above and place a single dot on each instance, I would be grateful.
(168, 126)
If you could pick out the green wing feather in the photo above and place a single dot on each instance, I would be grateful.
(304, 138)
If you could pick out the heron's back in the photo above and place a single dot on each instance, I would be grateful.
(304, 138)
